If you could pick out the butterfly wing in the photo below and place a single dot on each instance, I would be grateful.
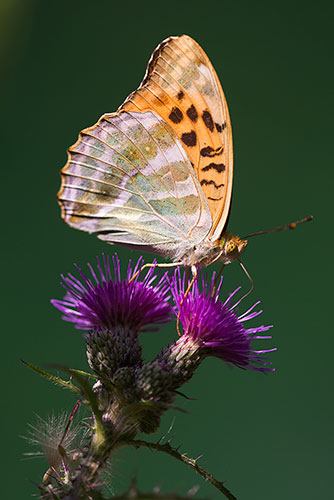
(129, 180)
(182, 87)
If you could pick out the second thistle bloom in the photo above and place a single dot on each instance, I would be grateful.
(213, 328)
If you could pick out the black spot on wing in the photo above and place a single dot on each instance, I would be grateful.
(215, 199)
(176, 115)
(221, 127)
(207, 119)
(219, 167)
(209, 151)
(192, 113)
(180, 95)
(204, 182)
(189, 139)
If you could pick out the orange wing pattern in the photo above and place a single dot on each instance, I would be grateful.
(182, 87)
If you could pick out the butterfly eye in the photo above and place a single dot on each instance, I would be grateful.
(230, 247)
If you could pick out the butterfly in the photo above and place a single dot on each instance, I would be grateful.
(157, 174)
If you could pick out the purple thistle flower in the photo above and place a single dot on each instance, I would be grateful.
(215, 327)
(104, 300)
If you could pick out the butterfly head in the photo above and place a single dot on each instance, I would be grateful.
(232, 247)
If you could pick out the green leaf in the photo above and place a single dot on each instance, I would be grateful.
(85, 374)
(55, 379)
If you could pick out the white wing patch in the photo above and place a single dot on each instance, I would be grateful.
(129, 180)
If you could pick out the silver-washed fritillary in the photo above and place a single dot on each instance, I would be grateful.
(157, 174)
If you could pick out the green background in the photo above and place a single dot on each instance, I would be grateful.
(63, 64)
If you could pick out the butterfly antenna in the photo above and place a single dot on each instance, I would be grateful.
(251, 288)
(292, 225)
(195, 273)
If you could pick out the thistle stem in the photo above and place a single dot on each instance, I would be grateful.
(173, 452)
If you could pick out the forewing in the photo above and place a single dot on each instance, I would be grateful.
(181, 85)
(129, 180)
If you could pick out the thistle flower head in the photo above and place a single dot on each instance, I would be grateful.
(104, 300)
(215, 327)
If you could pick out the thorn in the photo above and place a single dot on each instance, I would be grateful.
(171, 425)
(185, 396)
(177, 449)
(171, 438)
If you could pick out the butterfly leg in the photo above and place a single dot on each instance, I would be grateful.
(194, 273)
(152, 264)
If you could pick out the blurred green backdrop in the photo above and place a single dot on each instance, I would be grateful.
(63, 64)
